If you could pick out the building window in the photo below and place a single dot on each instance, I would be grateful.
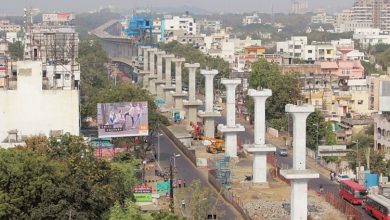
(360, 102)
(328, 51)
(310, 51)
(191, 29)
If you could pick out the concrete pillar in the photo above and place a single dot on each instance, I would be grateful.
(146, 58)
(192, 103)
(167, 88)
(160, 81)
(209, 115)
(178, 95)
(299, 175)
(259, 148)
(152, 71)
(231, 128)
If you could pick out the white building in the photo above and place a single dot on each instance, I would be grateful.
(7, 26)
(171, 24)
(207, 26)
(370, 36)
(294, 47)
(28, 109)
(12, 37)
(251, 19)
(322, 18)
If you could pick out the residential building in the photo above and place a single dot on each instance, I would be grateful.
(209, 26)
(251, 19)
(375, 82)
(293, 47)
(382, 133)
(177, 25)
(3, 47)
(12, 37)
(382, 120)
(365, 14)
(370, 37)
(299, 6)
(7, 26)
(28, 108)
(321, 17)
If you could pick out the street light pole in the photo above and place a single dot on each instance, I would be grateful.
(358, 158)
(316, 153)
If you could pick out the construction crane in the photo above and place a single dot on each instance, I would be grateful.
(213, 145)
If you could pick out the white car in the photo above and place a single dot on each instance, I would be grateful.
(340, 177)
(218, 108)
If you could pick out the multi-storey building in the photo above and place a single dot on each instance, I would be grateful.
(382, 120)
(322, 18)
(294, 47)
(7, 26)
(299, 6)
(209, 26)
(370, 37)
(251, 19)
(28, 107)
(365, 14)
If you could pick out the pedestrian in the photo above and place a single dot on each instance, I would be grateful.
(184, 183)
(321, 189)
(331, 176)
(183, 203)
(179, 183)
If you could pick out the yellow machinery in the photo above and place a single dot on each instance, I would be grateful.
(213, 145)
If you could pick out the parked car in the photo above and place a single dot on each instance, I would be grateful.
(283, 152)
(340, 177)
(218, 108)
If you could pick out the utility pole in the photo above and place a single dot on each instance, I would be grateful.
(171, 204)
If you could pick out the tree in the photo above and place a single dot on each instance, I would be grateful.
(59, 178)
(330, 135)
(285, 88)
(16, 50)
(316, 129)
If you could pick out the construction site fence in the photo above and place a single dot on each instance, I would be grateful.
(234, 200)
(190, 154)
(343, 206)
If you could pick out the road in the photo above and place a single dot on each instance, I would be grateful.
(283, 161)
(186, 170)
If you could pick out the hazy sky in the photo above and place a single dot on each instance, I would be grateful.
(16, 6)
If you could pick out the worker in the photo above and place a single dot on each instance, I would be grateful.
(183, 203)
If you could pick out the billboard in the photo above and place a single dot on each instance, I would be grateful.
(142, 193)
(58, 17)
(125, 119)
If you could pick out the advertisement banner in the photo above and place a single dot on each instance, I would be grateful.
(143, 197)
(142, 189)
(125, 119)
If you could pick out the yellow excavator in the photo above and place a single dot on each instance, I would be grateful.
(213, 145)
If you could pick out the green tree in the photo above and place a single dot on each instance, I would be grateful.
(316, 129)
(330, 135)
(59, 178)
(16, 50)
(285, 88)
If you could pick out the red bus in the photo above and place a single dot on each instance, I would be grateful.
(352, 192)
(377, 206)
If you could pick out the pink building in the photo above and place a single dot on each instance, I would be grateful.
(344, 68)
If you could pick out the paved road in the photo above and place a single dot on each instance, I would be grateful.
(189, 172)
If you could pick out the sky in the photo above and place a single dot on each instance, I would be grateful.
(15, 7)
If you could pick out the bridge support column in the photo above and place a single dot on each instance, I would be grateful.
(167, 88)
